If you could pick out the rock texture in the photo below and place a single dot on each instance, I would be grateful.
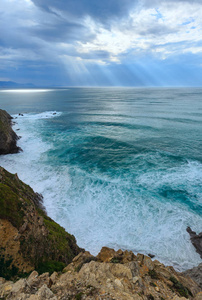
(111, 275)
(196, 240)
(195, 274)
(8, 137)
(29, 239)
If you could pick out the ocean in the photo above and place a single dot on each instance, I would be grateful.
(117, 167)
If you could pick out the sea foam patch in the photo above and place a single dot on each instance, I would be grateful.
(31, 116)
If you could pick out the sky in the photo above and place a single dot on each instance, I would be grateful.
(101, 42)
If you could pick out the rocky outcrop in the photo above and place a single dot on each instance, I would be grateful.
(8, 137)
(196, 240)
(196, 274)
(111, 275)
(29, 239)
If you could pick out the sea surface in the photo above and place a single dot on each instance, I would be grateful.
(118, 167)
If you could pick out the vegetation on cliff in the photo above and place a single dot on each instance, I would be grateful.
(29, 238)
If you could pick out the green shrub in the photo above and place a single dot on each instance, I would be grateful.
(179, 288)
(153, 274)
(50, 266)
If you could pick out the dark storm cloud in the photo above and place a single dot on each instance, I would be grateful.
(101, 10)
(61, 31)
(153, 3)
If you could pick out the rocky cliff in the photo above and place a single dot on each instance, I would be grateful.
(111, 275)
(29, 239)
(8, 137)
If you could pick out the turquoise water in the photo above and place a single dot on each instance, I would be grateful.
(118, 167)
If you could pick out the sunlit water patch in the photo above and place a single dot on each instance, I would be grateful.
(26, 91)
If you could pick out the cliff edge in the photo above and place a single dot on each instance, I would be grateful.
(111, 275)
(29, 239)
(8, 138)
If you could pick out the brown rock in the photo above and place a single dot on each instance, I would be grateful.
(54, 277)
(26, 242)
(195, 274)
(148, 262)
(106, 254)
(198, 296)
(179, 298)
(45, 293)
(18, 286)
(140, 279)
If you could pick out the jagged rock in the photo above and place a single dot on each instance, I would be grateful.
(196, 240)
(33, 280)
(45, 293)
(179, 298)
(118, 280)
(198, 296)
(106, 254)
(53, 278)
(195, 274)
(8, 137)
(29, 238)
(113, 280)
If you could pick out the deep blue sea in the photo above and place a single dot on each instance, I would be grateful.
(118, 167)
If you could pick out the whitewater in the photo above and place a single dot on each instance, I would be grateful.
(117, 167)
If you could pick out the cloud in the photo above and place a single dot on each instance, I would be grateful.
(102, 11)
(78, 37)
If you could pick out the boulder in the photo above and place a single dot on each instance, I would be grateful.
(195, 274)
(196, 240)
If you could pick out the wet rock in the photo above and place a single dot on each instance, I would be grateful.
(196, 240)
(8, 138)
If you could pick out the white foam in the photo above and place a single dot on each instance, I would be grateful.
(43, 115)
(106, 217)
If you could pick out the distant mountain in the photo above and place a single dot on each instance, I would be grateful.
(12, 84)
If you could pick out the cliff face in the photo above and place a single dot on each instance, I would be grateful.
(111, 276)
(8, 137)
(29, 239)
